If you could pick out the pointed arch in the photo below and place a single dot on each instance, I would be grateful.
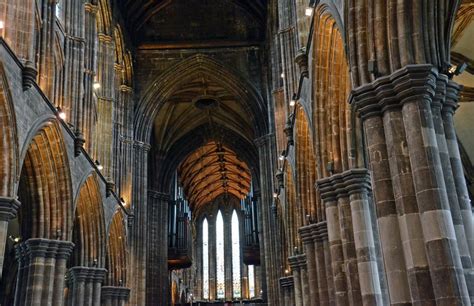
(220, 257)
(161, 89)
(236, 258)
(117, 252)
(8, 142)
(89, 226)
(45, 188)
(306, 168)
(335, 122)
(205, 259)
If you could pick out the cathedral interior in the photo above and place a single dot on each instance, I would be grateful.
(257, 152)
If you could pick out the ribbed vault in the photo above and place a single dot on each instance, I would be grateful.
(212, 170)
(242, 17)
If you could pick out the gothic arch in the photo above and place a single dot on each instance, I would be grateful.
(117, 252)
(45, 189)
(335, 122)
(306, 168)
(169, 81)
(89, 226)
(293, 216)
(9, 141)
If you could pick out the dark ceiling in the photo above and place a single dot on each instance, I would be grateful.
(169, 22)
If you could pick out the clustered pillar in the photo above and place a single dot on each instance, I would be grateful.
(300, 279)
(286, 284)
(41, 270)
(8, 210)
(85, 285)
(114, 296)
(421, 210)
(356, 274)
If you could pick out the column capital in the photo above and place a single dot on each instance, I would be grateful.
(162, 196)
(286, 282)
(40, 247)
(87, 274)
(344, 184)
(8, 208)
(451, 102)
(140, 145)
(410, 83)
(109, 292)
(263, 140)
(306, 233)
(297, 261)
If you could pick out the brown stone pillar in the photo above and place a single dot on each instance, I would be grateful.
(294, 264)
(114, 296)
(85, 285)
(415, 88)
(40, 281)
(449, 106)
(323, 263)
(286, 284)
(8, 210)
(306, 233)
(335, 248)
(157, 291)
(405, 100)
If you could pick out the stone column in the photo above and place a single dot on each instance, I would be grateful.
(270, 266)
(335, 248)
(357, 182)
(74, 46)
(45, 49)
(139, 227)
(286, 284)
(114, 296)
(412, 89)
(157, 260)
(386, 205)
(323, 263)
(8, 210)
(42, 275)
(298, 290)
(306, 233)
(85, 285)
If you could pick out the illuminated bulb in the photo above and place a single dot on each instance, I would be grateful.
(275, 195)
(292, 102)
(61, 114)
(282, 75)
(281, 157)
(17, 239)
(452, 69)
(96, 85)
(2, 24)
(99, 166)
(308, 11)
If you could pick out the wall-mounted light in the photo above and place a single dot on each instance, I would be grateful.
(308, 11)
(96, 85)
(282, 75)
(14, 239)
(275, 194)
(457, 70)
(293, 101)
(99, 166)
(61, 113)
(282, 155)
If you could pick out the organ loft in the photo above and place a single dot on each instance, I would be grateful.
(236, 152)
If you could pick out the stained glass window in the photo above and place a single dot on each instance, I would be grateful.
(205, 260)
(251, 269)
(220, 267)
(236, 286)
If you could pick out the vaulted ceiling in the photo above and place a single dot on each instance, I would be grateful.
(213, 170)
(175, 21)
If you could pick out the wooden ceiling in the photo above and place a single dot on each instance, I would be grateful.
(213, 170)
